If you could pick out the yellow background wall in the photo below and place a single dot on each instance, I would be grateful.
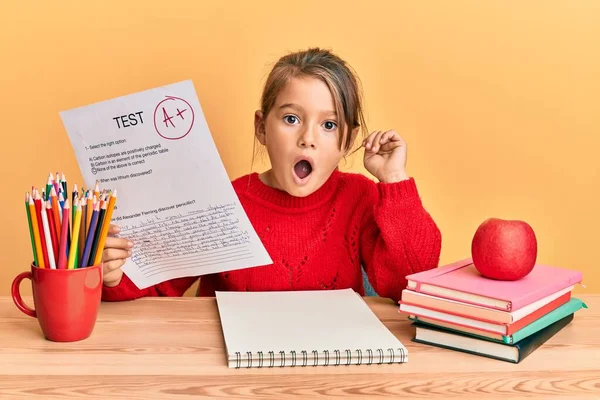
(498, 100)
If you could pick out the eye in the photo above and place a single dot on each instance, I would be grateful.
(330, 125)
(291, 119)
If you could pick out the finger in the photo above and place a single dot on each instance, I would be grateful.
(371, 135)
(390, 146)
(390, 136)
(370, 139)
(113, 278)
(114, 229)
(376, 141)
(112, 265)
(112, 275)
(366, 140)
(118, 243)
(115, 254)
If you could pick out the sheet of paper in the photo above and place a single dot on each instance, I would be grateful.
(175, 200)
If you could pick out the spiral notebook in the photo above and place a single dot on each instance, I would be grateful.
(304, 328)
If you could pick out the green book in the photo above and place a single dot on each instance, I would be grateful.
(514, 353)
(557, 314)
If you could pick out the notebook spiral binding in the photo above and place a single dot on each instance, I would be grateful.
(377, 356)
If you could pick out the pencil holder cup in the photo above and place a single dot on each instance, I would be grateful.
(66, 301)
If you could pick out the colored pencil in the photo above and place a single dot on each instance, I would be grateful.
(55, 211)
(53, 234)
(97, 190)
(85, 259)
(57, 183)
(36, 233)
(74, 242)
(89, 214)
(64, 184)
(105, 226)
(38, 212)
(47, 237)
(64, 235)
(102, 198)
(96, 241)
(81, 238)
(49, 184)
(28, 211)
(73, 197)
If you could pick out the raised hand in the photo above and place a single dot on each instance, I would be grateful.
(385, 156)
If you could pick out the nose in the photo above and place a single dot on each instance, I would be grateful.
(307, 138)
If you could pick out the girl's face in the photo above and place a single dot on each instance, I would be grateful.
(300, 133)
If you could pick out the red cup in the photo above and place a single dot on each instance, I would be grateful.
(66, 300)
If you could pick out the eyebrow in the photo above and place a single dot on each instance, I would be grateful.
(299, 108)
(290, 105)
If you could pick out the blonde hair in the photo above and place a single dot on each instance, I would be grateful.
(340, 78)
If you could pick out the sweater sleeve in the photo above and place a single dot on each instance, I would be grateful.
(398, 237)
(127, 290)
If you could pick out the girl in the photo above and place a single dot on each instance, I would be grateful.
(318, 224)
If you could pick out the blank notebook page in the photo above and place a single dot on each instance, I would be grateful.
(301, 320)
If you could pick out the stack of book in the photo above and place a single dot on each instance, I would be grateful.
(455, 307)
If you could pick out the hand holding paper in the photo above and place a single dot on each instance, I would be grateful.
(116, 252)
(176, 202)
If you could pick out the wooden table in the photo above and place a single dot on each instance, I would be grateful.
(172, 348)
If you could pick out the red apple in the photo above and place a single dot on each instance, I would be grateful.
(504, 249)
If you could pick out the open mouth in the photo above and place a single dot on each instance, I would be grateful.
(303, 168)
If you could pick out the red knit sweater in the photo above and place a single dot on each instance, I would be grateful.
(320, 241)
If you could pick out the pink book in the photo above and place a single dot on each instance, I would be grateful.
(460, 281)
